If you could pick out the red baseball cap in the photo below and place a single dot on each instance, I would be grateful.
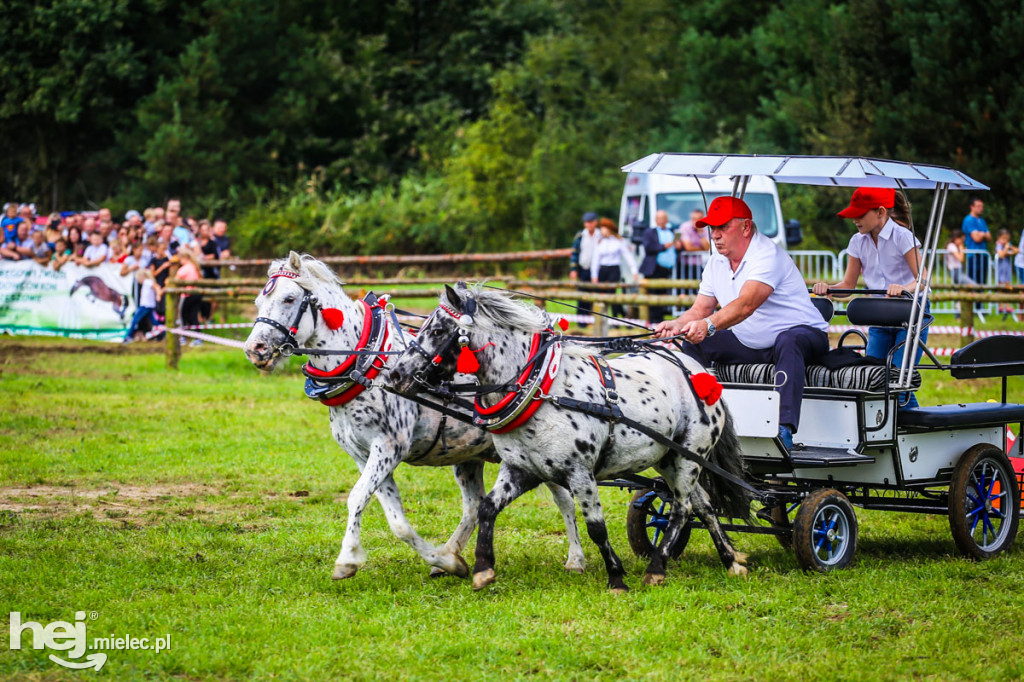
(867, 198)
(724, 209)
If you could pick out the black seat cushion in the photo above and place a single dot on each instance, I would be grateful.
(858, 378)
(964, 414)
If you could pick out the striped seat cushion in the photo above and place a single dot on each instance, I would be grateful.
(859, 378)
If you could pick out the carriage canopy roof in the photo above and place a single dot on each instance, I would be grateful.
(837, 171)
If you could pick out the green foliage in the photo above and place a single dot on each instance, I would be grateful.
(485, 124)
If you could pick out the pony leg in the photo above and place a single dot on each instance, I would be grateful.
(442, 559)
(731, 559)
(379, 466)
(584, 488)
(510, 484)
(681, 483)
(470, 477)
(567, 505)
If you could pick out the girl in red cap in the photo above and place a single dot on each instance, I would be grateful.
(888, 255)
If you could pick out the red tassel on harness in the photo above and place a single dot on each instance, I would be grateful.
(707, 387)
(467, 364)
(333, 318)
(563, 324)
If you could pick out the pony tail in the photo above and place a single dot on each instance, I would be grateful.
(727, 497)
(900, 212)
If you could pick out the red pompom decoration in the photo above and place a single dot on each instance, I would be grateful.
(467, 364)
(707, 387)
(333, 318)
(563, 324)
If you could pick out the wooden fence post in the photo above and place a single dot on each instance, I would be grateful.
(600, 323)
(172, 340)
(644, 309)
(967, 321)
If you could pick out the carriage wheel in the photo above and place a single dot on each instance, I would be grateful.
(825, 531)
(983, 502)
(647, 521)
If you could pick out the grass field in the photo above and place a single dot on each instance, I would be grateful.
(208, 504)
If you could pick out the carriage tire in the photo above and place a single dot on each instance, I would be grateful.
(781, 518)
(640, 540)
(971, 479)
(825, 532)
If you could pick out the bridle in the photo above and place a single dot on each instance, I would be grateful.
(459, 336)
(309, 302)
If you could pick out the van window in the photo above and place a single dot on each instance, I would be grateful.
(679, 204)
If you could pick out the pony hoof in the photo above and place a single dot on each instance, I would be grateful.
(574, 569)
(436, 572)
(622, 589)
(741, 558)
(343, 571)
(654, 579)
(483, 579)
(738, 570)
(462, 568)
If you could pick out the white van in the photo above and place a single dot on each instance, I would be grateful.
(645, 194)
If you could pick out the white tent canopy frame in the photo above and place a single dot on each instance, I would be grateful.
(833, 171)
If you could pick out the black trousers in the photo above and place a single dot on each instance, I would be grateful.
(612, 273)
(582, 279)
(190, 308)
(656, 313)
(794, 349)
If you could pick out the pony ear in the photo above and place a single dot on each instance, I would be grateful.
(294, 262)
(453, 297)
(461, 286)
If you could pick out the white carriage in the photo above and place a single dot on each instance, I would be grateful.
(856, 446)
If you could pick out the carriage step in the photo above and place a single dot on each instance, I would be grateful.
(814, 456)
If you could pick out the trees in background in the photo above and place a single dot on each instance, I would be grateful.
(340, 126)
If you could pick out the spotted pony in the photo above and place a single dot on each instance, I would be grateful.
(304, 305)
(572, 448)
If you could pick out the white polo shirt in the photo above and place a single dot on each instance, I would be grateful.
(789, 305)
(885, 263)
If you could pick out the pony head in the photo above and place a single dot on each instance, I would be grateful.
(467, 320)
(288, 308)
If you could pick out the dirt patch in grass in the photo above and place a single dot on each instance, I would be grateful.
(138, 504)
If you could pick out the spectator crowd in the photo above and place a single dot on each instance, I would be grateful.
(146, 245)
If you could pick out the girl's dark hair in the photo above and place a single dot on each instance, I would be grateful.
(900, 211)
(956, 234)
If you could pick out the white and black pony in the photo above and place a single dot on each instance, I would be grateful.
(540, 440)
(303, 305)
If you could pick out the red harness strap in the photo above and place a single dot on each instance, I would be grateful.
(535, 403)
(371, 373)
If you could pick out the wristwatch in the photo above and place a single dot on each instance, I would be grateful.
(711, 326)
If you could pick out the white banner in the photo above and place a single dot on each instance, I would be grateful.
(75, 301)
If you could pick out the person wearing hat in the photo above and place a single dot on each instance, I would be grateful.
(133, 218)
(584, 244)
(888, 255)
(766, 313)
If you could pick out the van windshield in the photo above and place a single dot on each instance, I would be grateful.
(679, 204)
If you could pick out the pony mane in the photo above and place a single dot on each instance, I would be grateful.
(311, 272)
(504, 310)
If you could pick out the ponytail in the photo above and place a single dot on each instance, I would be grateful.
(900, 211)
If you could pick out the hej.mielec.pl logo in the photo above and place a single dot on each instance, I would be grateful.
(71, 637)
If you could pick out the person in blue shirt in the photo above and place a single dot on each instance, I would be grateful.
(10, 223)
(659, 258)
(978, 236)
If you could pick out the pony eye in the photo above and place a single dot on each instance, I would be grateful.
(436, 332)
(289, 299)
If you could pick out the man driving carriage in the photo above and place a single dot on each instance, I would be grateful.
(766, 313)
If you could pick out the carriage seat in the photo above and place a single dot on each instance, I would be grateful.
(870, 378)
